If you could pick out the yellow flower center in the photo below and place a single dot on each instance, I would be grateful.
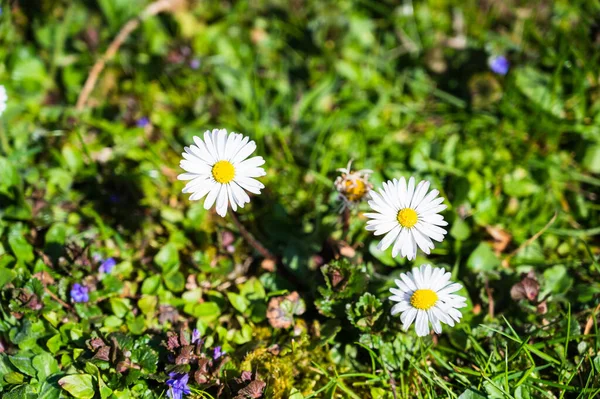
(407, 217)
(223, 172)
(423, 299)
(355, 190)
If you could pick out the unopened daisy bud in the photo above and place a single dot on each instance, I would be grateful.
(218, 169)
(427, 296)
(408, 216)
(353, 186)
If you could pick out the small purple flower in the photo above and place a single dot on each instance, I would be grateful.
(195, 336)
(499, 64)
(142, 122)
(108, 265)
(113, 198)
(178, 385)
(79, 293)
(218, 353)
(195, 63)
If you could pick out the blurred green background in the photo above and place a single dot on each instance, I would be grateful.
(402, 88)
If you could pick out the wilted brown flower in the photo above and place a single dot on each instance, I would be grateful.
(254, 388)
(103, 353)
(186, 355)
(172, 341)
(167, 313)
(485, 90)
(282, 309)
(96, 343)
(528, 288)
(352, 186)
(501, 238)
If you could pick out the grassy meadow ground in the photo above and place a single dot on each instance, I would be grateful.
(402, 88)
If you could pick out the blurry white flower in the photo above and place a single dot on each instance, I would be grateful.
(3, 99)
(217, 166)
(426, 296)
(352, 186)
(408, 217)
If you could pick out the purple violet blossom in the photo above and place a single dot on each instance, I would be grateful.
(142, 122)
(108, 265)
(79, 293)
(499, 64)
(195, 336)
(178, 385)
(218, 353)
(195, 63)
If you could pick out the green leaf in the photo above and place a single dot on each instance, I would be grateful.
(73, 158)
(384, 257)
(518, 183)
(175, 281)
(50, 390)
(6, 275)
(55, 240)
(21, 248)
(208, 311)
(167, 258)
(522, 392)
(46, 365)
(29, 72)
(54, 343)
(151, 284)
(14, 378)
(22, 392)
(5, 368)
(9, 176)
(536, 86)
(557, 280)
(23, 362)
(365, 312)
(137, 325)
(252, 289)
(57, 234)
(147, 358)
(591, 160)
(493, 391)
(238, 302)
(92, 369)
(483, 259)
(120, 306)
(460, 230)
(80, 386)
(472, 394)
(147, 304)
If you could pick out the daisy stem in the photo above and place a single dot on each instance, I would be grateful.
(251, 240)
(345, 222)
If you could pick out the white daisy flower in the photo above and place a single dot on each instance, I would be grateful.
(218, 167)
(408, 217)
(426, 295)
(3, 99)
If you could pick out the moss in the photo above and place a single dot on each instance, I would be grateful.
(277, 371)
